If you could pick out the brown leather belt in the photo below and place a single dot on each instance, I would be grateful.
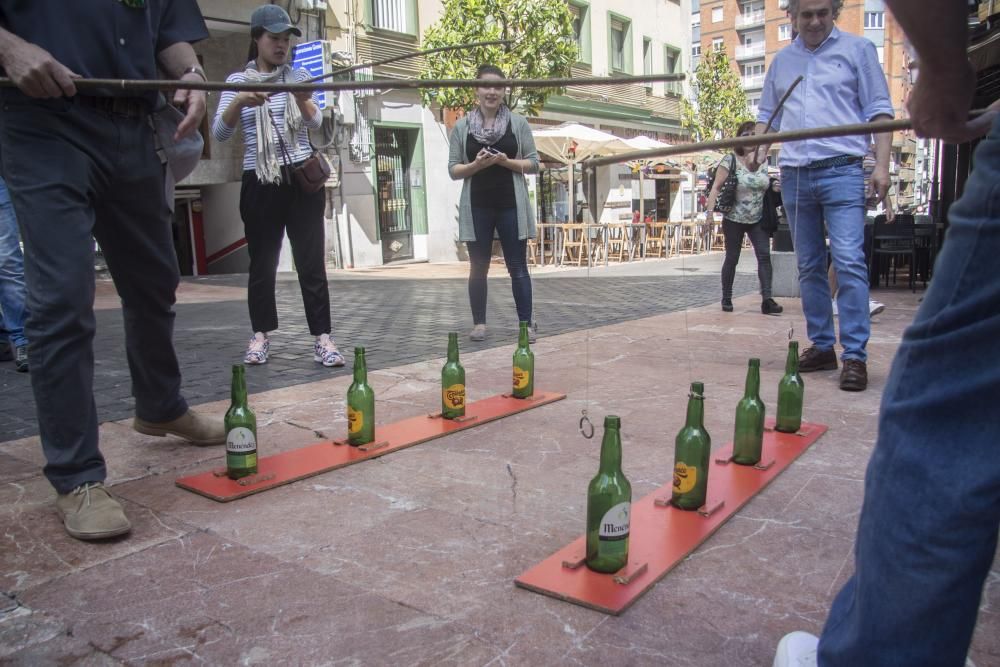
(129, 107)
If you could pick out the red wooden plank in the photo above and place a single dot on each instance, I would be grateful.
(291, 466)
(661, 536)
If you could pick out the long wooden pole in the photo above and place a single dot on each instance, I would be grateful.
(134, 85)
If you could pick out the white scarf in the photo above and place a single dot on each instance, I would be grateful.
(269, 159)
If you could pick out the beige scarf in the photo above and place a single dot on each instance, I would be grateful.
(269, 158)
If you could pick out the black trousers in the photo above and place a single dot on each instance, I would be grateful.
(75, 173)
(268, 211)
(732, 233)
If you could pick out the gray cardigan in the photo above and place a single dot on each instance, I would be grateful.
(525, 151)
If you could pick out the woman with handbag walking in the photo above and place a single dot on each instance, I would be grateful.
(279, 192)
(738, 193)
(490, 150)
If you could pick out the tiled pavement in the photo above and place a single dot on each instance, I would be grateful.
(410, 559)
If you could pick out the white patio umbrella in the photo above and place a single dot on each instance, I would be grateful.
(570, 143)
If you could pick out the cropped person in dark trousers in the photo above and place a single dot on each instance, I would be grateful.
(491, 149)
(744, 218)
(81, 165)
(271, 202)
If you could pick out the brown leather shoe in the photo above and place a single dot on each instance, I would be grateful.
(814, 359)
(854, 377)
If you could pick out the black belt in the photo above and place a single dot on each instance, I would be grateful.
(835, 161)
(129, 107)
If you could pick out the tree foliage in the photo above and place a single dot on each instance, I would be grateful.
(542, 47)
(721, 103)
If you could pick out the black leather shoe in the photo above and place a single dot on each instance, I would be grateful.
(770, 307)
(727, 305)
(814, 359)
(854, 377)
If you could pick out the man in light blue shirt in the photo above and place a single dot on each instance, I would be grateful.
(822, 180)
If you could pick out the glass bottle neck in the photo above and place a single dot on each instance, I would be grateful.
(753, 382)
(239, 387)
(792, 363)
(611, 450)
(452, 350)
(360, 369)
(696, 412)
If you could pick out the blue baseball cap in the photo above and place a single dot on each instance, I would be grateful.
(273, 19)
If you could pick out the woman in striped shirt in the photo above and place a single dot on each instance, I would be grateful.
(276, 135)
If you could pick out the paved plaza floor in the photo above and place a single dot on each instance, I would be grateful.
(409, 559)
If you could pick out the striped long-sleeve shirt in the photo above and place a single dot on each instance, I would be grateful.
(222, 132)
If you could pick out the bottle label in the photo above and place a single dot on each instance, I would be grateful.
(355, 420)
(615, 523)
(241, 461)
(685, 477)
(240, 440)
(454, 396)
(522, 377)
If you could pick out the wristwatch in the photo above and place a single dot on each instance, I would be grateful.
(194, 69)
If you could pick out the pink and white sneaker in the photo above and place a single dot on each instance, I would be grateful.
(325, 352)
(257, 350)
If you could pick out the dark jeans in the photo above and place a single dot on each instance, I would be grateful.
(73, 173)
(733, 232)
(504, 222)
(268, 211)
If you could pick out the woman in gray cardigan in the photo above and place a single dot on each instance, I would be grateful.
(491, 149)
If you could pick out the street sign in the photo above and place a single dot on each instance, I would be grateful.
(309, 56)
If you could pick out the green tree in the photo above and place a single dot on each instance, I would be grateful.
(721, 102)
(542, 46)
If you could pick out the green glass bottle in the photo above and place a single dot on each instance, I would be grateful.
(791, 391)
(452, 382)
(241, 430)
(748, 438)
(609, 505)
(360, 404)
(692, 450)
(524, 366)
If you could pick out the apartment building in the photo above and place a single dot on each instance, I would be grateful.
(752, 31)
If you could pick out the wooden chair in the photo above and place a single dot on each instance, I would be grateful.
(691, 238)
(575, 243)
(718, 240)
(656, 242)
(616, 241)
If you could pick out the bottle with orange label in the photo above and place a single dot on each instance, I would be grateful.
(524, 366)
(360, 404)
(452, 383)
(692, 450)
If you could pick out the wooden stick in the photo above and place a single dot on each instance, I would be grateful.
(875, 127)
(141, 85)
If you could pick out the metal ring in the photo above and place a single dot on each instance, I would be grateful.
(585, 423)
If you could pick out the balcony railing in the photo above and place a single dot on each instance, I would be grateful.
(749, 20)
(753, 82)
(745, 51)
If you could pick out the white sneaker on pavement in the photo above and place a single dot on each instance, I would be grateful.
(796, 649)
(875, 307)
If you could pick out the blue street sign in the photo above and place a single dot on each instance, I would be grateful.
(309, 56)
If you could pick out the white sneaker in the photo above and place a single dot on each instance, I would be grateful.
(796, 649)
(257, 350)
(874, 307)
(325, 352)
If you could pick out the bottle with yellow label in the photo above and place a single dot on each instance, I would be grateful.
(791, 391)
(692, 450)
(360, 404)
(241, 430)
(524, 366)
(609, 505)
(452, 382)
(748, 434)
